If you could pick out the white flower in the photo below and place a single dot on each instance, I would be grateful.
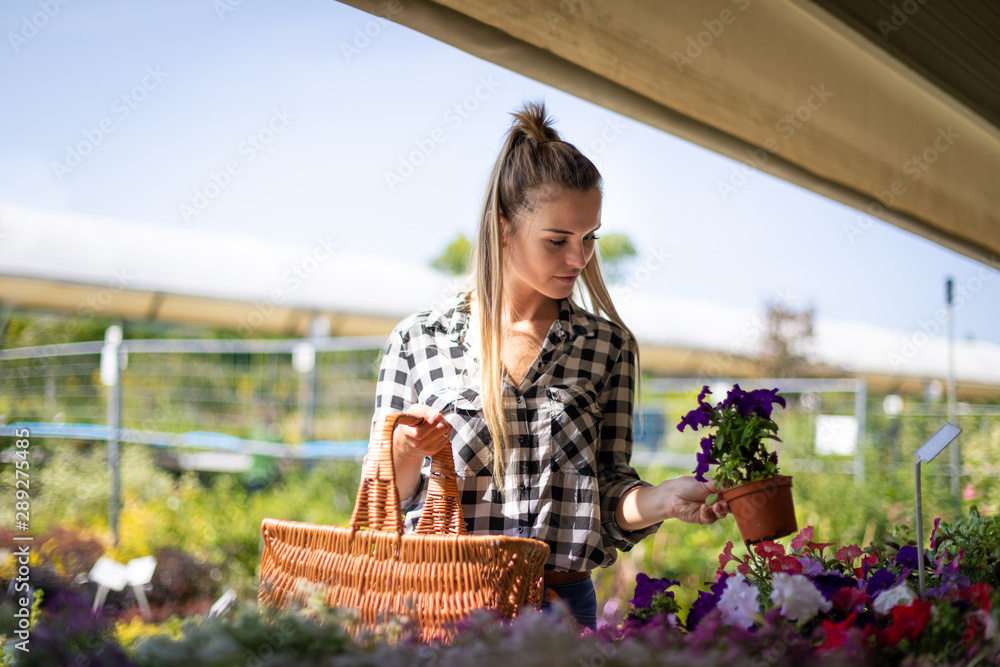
(893, 597)
(738, 602)
(799, 598)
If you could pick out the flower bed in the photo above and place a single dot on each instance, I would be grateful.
(820, 603)
(807, 603)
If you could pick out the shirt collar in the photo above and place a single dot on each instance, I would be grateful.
(573, 321)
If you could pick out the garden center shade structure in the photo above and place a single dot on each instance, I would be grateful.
(892, 108)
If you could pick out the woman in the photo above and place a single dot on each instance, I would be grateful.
(533, 393)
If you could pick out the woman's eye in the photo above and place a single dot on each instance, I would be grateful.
(592, 237)
(558, 243)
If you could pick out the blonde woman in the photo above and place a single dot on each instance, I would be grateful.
(533, 393)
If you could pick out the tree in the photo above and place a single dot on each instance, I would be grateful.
(455, 258)
(616, 249)
(787, 336)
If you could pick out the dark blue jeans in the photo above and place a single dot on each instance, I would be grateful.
(581, 599)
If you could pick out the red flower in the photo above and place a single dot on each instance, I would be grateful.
(743, 568)
(859, 571)
(819, 546)
(848, 598)
(979, 595)
(907, 622)
(769, 549)
(975, 626)
(785, 564)
(834, 634)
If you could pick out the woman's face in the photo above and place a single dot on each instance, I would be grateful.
(553, 243)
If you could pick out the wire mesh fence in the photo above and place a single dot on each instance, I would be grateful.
(315, 397)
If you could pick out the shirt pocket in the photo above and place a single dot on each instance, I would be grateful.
(575, 428)
(470, 437)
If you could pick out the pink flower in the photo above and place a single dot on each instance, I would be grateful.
(969, 493)
(937, 522)
(727, 556)
(848, 554)
(802, 540)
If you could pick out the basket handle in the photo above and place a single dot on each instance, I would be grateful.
(377, 503)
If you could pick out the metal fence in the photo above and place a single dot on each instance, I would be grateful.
(314, 397)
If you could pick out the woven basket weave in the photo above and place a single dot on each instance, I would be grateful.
(436, 575)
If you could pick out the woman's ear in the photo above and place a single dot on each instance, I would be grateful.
(504, 229)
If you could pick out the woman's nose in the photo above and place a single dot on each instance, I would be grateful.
(577, 257)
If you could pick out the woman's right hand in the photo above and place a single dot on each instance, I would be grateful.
(412, 443)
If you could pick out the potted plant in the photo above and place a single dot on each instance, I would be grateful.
(746, 473)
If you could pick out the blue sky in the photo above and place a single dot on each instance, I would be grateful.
(282, 121)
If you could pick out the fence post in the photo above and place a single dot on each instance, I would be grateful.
(861, 416)
(111, 377)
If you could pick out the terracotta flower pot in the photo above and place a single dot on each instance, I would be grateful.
(764, 509)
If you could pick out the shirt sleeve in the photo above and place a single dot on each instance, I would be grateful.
(394, 392)
(615, 473)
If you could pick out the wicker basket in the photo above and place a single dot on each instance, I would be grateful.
(436, 575)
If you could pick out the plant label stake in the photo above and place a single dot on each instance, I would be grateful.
(934, 446)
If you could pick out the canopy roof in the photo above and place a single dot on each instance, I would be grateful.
(890, 108)
(89, 265)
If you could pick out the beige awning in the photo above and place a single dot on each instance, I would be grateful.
(825, 102)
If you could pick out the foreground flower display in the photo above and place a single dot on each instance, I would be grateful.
(835, 605)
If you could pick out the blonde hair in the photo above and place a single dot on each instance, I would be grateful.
(532, 160)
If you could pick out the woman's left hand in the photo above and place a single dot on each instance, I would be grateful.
(684, 499)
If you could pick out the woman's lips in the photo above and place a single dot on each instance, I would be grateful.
(565, 279)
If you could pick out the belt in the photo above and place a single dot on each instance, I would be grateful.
(556, 578)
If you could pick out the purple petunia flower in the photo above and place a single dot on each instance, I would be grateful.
(907, 557)
(829, 583)
(646, 589)
(706, 602)
(879, 581)
(704, 458)
(696, 418)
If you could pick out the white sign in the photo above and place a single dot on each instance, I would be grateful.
(937, 442)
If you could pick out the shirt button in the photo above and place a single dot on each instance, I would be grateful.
(520, 439)
(520, 529)
(519, 398)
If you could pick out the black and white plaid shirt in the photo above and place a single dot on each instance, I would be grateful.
(571, 429)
